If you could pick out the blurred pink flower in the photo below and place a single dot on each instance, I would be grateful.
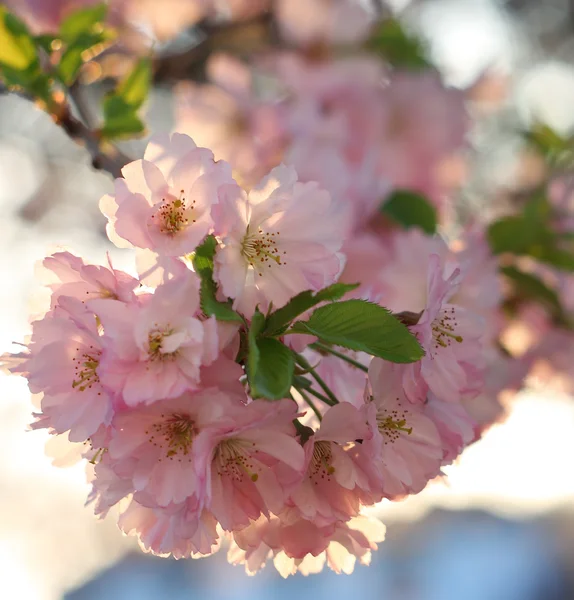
(154, 348)
(425, 124)
(323, 21)
(280, 239)
(231, 120)
(163, 202)
(45, 16)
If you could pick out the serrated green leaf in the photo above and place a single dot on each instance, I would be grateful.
(365, 327)
(82, 21)
(275, 367)
(410, 209)
(17, 48)
(135, 88)
(120, 119)
(203, 266)
(279, 319)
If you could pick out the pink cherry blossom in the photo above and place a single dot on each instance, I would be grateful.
(451, 337)
(154, 446)
(250, 465)
(61, 363)
(68, 275)
(425, 125)
(328, 21)
(280, 239)
(163, 202)
(332, 487)
(228, 117)
(406, 449)
(176, 530)
(154, 348)
(299, 545)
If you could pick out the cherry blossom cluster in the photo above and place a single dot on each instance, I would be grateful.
(156, 394)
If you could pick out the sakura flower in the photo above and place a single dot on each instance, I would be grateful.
(329, 21)
(406, 449)
(154, 446)
(155, 348)
(230, 118)
(451, 337)
(331, 489)
(175, 530)
(163, 202)
(280, 239)
(250, 465)
(68, 275)
(62, 362)
(425, 126)
(299, 545)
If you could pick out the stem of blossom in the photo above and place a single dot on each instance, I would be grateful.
(323, 348)
(319, 396)
(302, 361)
(309, 402)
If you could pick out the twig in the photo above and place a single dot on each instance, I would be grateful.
(323, 348)
(302, 361)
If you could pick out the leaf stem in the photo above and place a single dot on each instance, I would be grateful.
(302, 361)
(310, 403)
(323, 348)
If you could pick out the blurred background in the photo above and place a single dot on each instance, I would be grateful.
(501, 526)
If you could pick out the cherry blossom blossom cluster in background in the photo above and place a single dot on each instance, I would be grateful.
(245, 236)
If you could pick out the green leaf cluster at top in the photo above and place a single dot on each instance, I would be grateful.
(81, 34)
(121, 106)
(398, 47)
(19, 58)
(533, 234)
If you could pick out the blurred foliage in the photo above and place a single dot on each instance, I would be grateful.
(410, 209)
(399, 48)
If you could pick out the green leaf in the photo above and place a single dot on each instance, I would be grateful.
(135, 88)
(253, 355)
(203, 266)
(530, 286)
(363, 326)
(45, 42)
(512, 234)
(83, 21)
(121, 106)
(273, 376)
(277, 321)
(410, 209)
(120, 119)
(398, 47)
(17, 48)
(74, 57)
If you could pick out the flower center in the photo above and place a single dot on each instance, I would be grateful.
(260, 249)
(155, 341)
(174, 434)
(321, 467)
(443, 329)
(174, 215)
(231, 459)
(392, 424)
(85, 375)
